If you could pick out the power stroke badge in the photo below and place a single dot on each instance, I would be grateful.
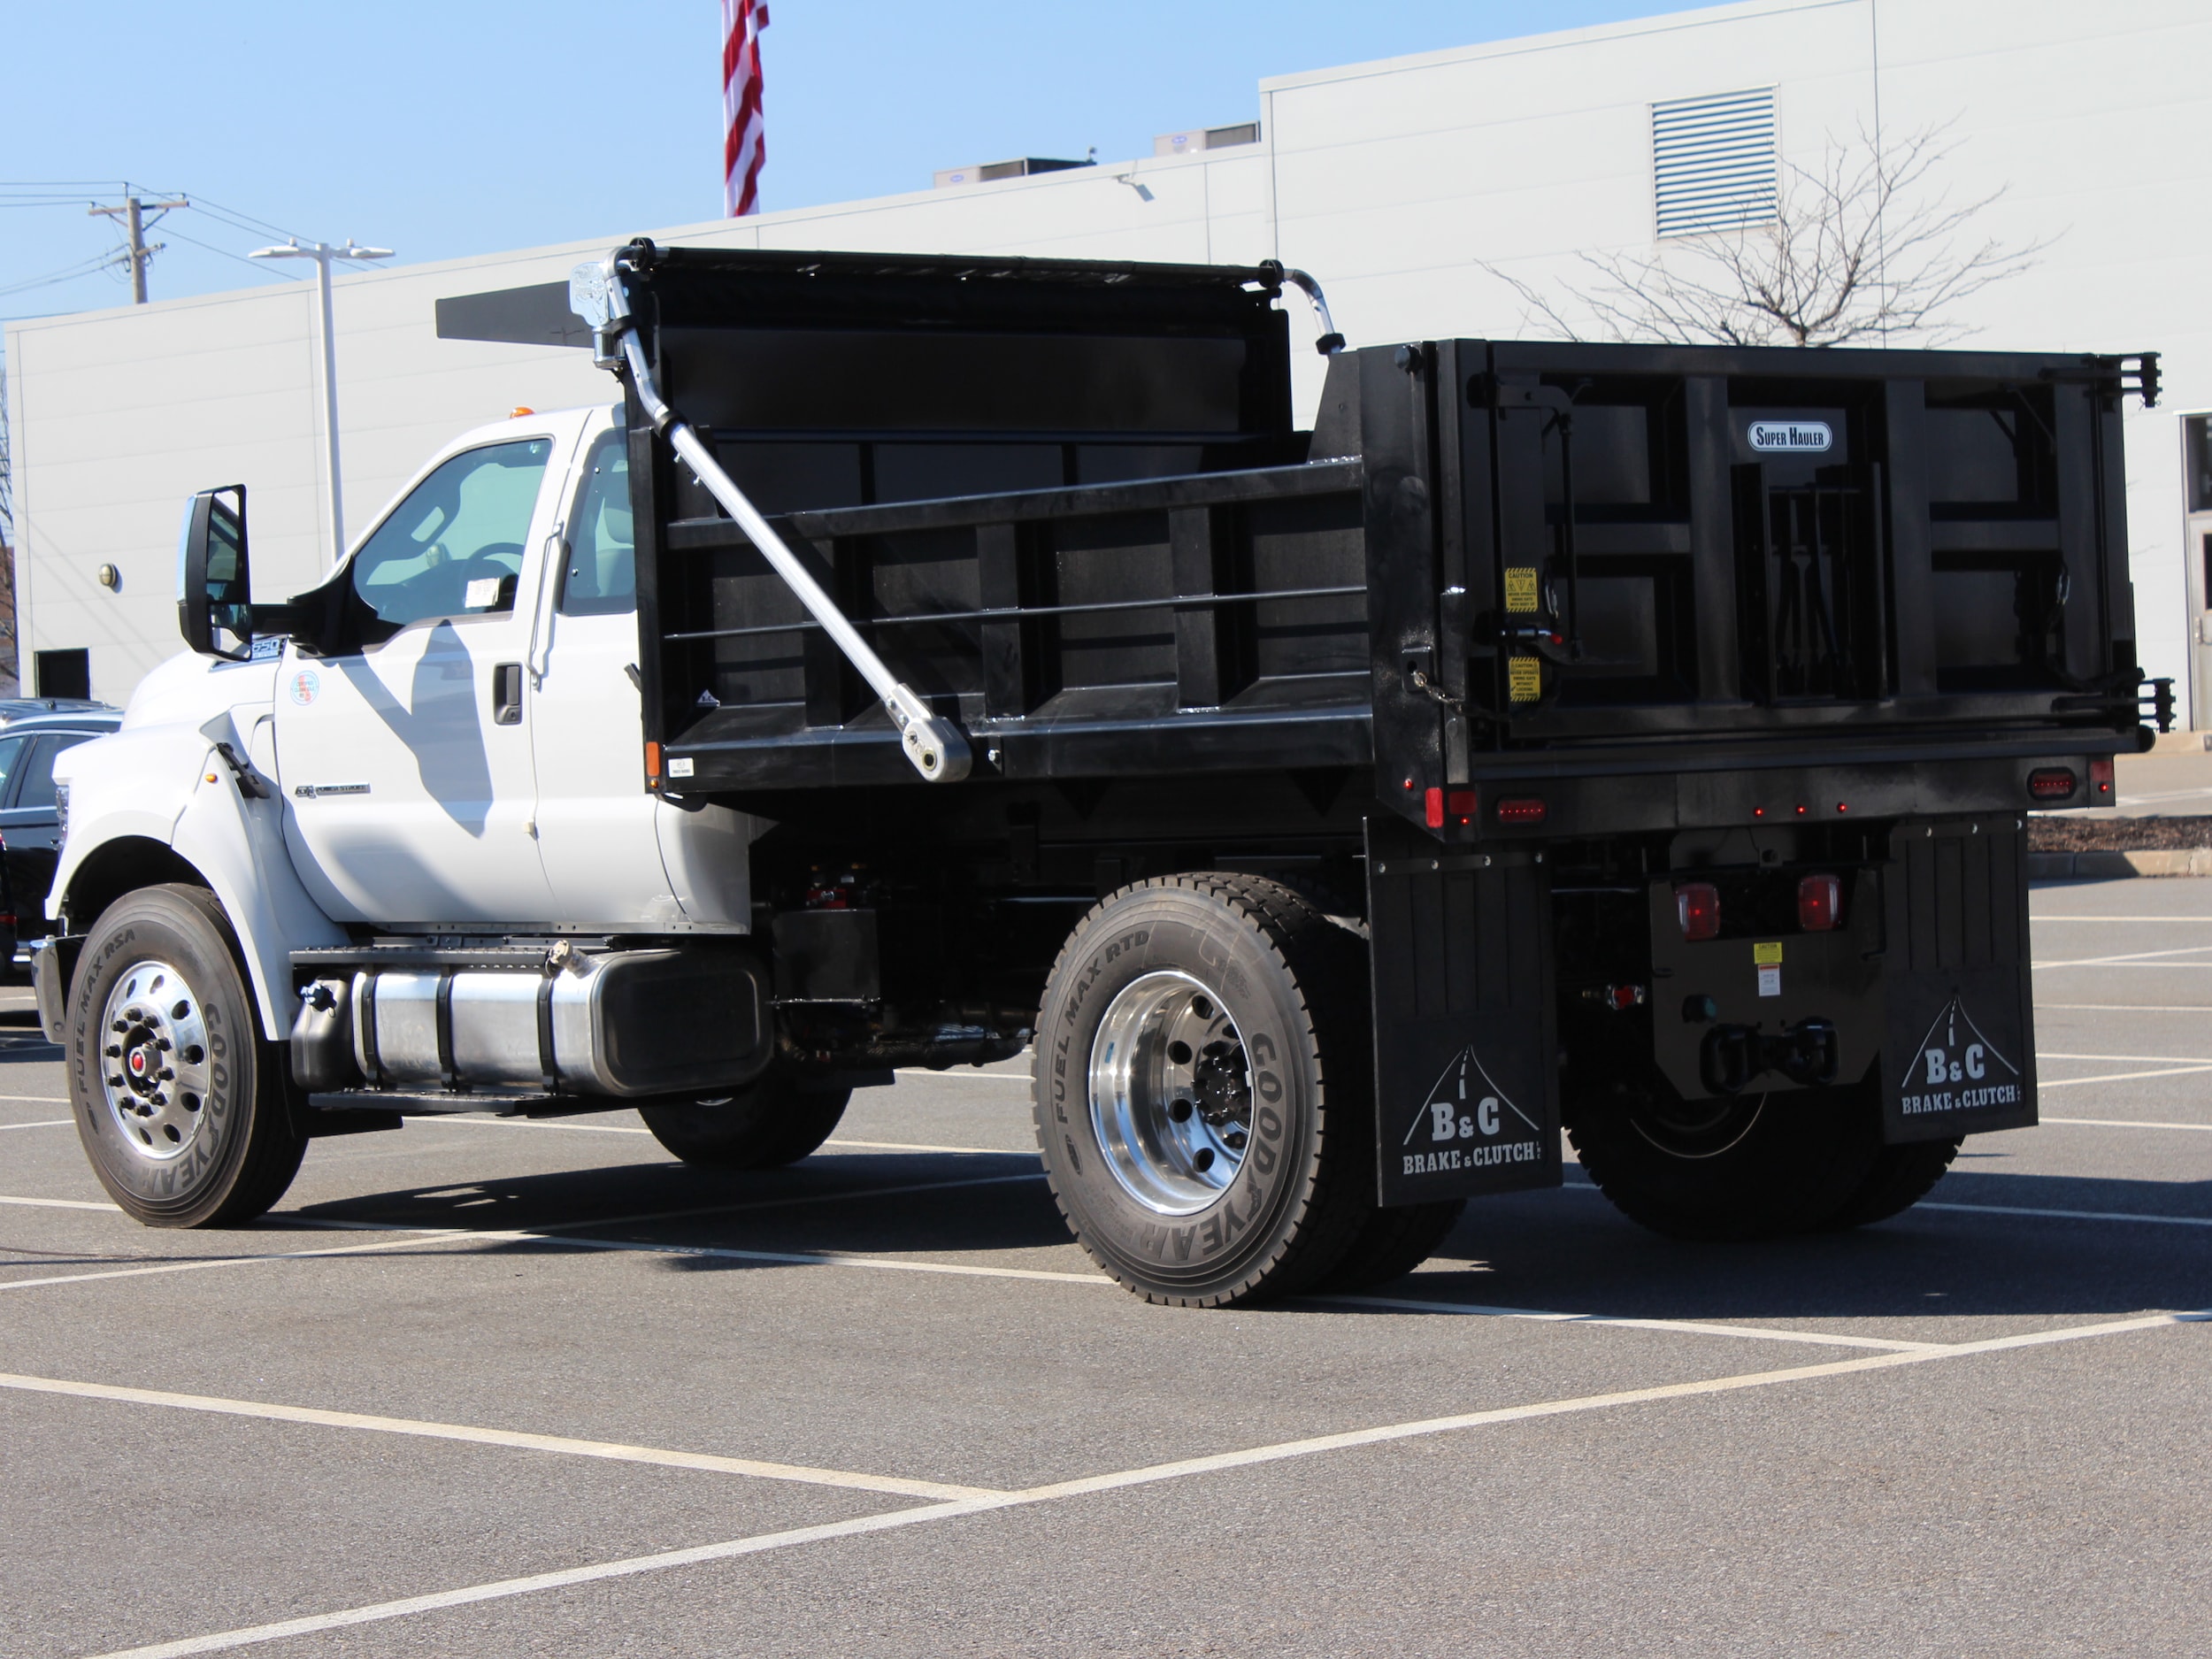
(1468, 1122)
(1956, 1069)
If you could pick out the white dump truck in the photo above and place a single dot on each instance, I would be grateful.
(929, 659)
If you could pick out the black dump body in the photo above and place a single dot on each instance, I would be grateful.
(1558, 622)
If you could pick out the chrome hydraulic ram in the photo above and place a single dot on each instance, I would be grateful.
(934, 745)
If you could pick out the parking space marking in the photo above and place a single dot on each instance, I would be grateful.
(2069, 1215)
(61, 1203)
(2126, 1008)
(38, 1100)
(2120, 1076)
(1686, 1327)
(565, 1236)
(2139, 1059)
(43, 1122)
(611, 1450)
(2125, 1123)
(923, 1070)
(2132, 956)
(1152, 1474)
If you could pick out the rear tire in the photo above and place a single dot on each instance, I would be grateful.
(181, 1104)
(1756, 1166)
(767, 1123)
(1202, 1090)
(1901, 1177)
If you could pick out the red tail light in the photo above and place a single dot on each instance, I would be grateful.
(1697, 904)
(2052, 783)
(1525, 810)
(1819, 903)
(2101, 782)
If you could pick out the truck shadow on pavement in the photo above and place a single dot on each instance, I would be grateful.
(1566, 1251)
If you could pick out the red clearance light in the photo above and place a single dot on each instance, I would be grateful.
(1697, 905)
(1461, 806)
(1435, 803)
(2052, 783)
(1819, 903)
(2101, 781)
(1524, 810)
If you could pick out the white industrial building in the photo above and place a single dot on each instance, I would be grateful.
(1396, 183)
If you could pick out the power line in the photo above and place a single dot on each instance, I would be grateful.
(132, 212)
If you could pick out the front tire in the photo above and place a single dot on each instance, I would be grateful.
(180, 1103)
(1203, 1091)
(767, 1123)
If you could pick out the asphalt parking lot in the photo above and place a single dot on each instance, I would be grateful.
(502, 1389)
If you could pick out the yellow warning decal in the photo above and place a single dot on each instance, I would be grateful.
(1520, 588)
(1524, 679)
(1763, 953)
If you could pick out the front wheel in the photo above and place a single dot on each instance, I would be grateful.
(1202, 1096)
(180, 1103)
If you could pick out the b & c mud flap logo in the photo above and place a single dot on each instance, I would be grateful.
(1956, 1069)
(1468, 1122)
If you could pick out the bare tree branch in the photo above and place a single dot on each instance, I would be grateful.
(1859, 248)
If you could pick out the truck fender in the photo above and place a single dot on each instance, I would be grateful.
(171, 785)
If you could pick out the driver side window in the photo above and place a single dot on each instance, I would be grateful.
(455, 546)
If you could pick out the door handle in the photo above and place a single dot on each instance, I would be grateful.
(507, 693)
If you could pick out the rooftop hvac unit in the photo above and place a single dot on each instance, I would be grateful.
(1206, 138)
(1019, 168)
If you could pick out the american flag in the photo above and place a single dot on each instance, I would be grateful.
(744, 142)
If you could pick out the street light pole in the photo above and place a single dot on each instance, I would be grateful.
(323, 253)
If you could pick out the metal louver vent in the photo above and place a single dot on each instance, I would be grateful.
(1713, 162)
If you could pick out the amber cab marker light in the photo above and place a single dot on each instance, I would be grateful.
(2052, 783)
(1819, 903)
(1697, 905)
(1522, 810)
(2100, 781)
(519, 411)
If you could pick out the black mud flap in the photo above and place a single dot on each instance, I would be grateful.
(1958, 1053)
(1466, 1065)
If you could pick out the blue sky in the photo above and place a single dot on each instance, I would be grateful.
(472, 125)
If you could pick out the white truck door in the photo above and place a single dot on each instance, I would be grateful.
(406, 764)
(595, 818)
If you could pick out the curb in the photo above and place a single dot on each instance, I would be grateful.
(2180, 861)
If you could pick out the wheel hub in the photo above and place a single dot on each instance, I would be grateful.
(154, 1066)
(1171, 1093)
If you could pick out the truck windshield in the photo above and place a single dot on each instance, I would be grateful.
(454, 546)
(600, 578)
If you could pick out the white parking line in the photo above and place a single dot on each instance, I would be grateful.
(2038, 920)
(613, 1450)
(2125, 1123)
(1687, 1327)
(2069, 1215)
(2134, 959)
(2138, 1059)
(60, 1204)
(43, 1122)
(1153, 1474)
(2120, 1076)
(2125, 1008)
(472, 1122)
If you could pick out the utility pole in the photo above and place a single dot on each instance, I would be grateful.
(136, 225)
(322, 253)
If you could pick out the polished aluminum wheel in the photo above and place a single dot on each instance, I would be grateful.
(154, 1065)
(1171, 1093)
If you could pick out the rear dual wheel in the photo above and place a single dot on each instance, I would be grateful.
(1204, 1095)
(1752, 1166)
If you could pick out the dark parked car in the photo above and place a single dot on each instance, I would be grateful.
(29, 827)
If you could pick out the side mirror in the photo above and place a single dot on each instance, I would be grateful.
(214, 594)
